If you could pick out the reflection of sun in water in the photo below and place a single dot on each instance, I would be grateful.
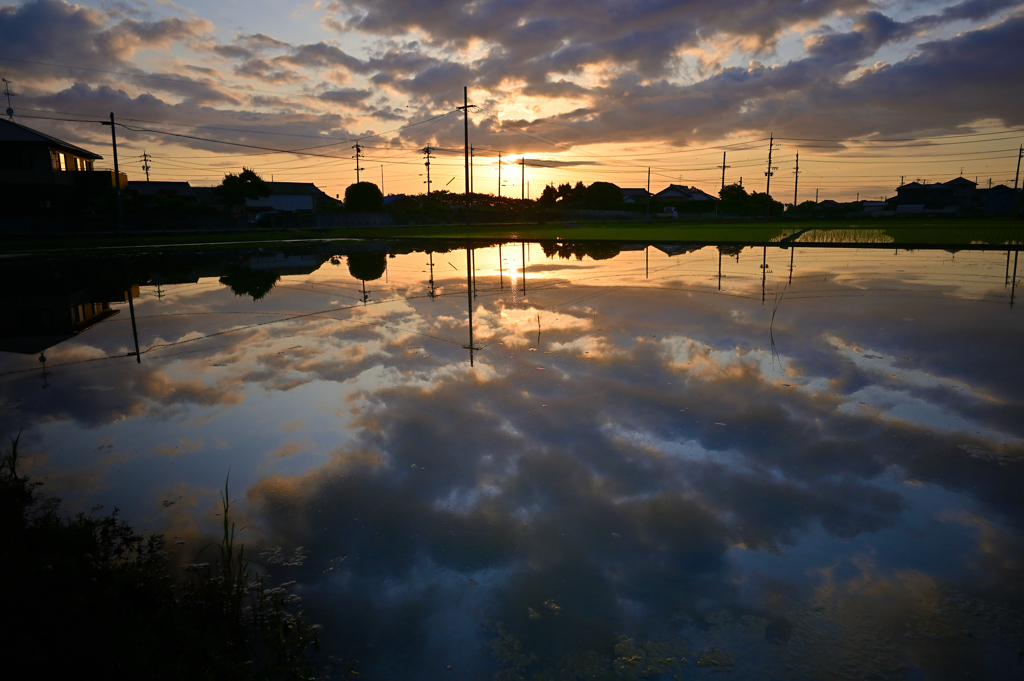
(514, 282)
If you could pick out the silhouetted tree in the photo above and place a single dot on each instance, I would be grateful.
(235, 189)
(548, 197)
(602, 195)
(732, 192)
(364, 197)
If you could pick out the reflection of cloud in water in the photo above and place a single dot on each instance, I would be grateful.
(669, 445)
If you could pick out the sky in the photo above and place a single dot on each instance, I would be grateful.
(868, 93)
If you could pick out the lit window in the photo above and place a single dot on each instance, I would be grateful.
(62, 160)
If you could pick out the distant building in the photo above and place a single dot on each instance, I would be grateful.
(39, 171)
(1000, 200)
(630, 195)
(958, 195)
(681, 192)
(400, 203)
(292, 197)
(181, 190)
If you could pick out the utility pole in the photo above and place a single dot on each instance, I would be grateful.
(723, 167)
(146, 158)
(117, 173)
(427, 151)
(796, 179)
(466, 106)
(815, 197)
(522, 187)
(382, 179)
(648, 190)
(499, 174)
(359, 151)
(1015, 177)
(471, 170)
(768, 174)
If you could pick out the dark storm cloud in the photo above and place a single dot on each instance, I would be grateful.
(346, 94)
(939, 89)
(262, 70)
(233, 51)
(55, 31)
(237, 126)
(261, 41)
(567, 35)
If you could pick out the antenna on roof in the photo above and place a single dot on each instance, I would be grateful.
(9, 94)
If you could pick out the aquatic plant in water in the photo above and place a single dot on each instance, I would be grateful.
(90, 593)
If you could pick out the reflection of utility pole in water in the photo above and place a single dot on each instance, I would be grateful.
(469, 298)
(524, 269)
(1006, 279)
(792, 252)
(432, 292)
(42, 360)
(131, 310)
(1013, 282)
(538, 331)
(647, 262)
(764, 272)
(719, 269)
(366, 296)
(472, 258)
(501, 269)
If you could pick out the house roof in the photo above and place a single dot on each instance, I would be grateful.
(682, 191)
(298, 189)
(16, 132)
(629, 191)
(963, 181)
(183, 189)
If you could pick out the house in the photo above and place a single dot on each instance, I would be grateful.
(181, 190)
(999, 200)
(679, 192)
(956, 195)
(630, 195)
(40, 171)
(291, 197)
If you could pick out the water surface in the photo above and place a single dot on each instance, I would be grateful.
(786, 462)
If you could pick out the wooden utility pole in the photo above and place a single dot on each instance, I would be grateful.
(648, 190)
(471, 172)
(499, 174)
(768, 174)
(145, 163)
(359, 151)
(1017, 176)
(117, 174)
(723, 167)
(427, 151)
(466, 106)
(522, 188)
(796, 178)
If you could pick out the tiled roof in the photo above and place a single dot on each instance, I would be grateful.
(16, 132)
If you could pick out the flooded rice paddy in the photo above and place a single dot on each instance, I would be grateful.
(570, 460)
